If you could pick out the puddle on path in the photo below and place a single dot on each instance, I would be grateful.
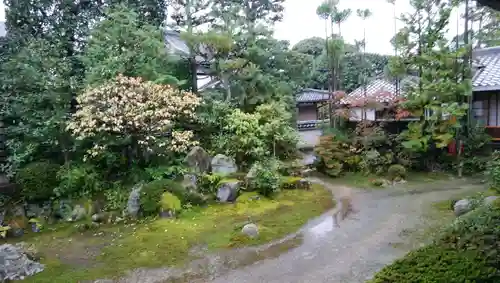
(320, 230)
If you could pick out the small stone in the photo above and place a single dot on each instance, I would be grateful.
(462, 206)
(251, 230)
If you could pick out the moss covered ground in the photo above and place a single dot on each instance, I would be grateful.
(110, 251)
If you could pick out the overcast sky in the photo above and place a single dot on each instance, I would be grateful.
(300, 22)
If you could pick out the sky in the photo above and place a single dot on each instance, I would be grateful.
(300, 21)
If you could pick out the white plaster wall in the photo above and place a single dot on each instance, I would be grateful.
(309, 138)
(356, 114)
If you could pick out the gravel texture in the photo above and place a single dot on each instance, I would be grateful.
(362, 244)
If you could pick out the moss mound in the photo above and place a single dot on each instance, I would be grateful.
(467, 251)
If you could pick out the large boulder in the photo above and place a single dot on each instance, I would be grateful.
(462, 206)
(15, 264)
(134, 201)
(198, 160)
(223, 165)
(228, 192)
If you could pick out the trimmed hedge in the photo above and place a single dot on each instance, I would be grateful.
(38, 180)
(467, 251)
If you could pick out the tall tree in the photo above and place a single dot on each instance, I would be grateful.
(122, 44)
(424, 50)
(364, 14)
(187, 16)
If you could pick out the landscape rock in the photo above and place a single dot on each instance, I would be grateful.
(304, 184)
(63, 210)
(15, 264)
(2, 216)
(189, 182)
(462, 206)
(251, 230)
(228, 192)
(489, 200)
(198, 159)
(40, 211)
(78, 213)
(252, 172)
(134, 202)
(223, 165)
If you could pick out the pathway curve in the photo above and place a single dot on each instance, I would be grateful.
(354, 251)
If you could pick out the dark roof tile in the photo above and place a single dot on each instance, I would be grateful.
(487, 77)
(312, 95)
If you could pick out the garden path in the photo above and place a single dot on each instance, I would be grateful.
(351, 253)
(361, 245)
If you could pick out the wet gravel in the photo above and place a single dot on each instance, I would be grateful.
(356, 250)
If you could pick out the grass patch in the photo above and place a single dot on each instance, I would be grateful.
(111, 251)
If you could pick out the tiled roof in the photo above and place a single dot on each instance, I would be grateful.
(379, 90)
(487, 77)
(312, 95)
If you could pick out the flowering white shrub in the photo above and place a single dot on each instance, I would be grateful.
(140, 112)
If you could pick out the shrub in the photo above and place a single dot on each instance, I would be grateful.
(77, 180)
(467, 251)
(333, 155)
(129, 113)
(377, 182)
(265, 180)
(493, 171)
(208, 184)
(396, 171)
(38, 180)
(151, 195)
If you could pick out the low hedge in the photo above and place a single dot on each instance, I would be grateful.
(467, 251)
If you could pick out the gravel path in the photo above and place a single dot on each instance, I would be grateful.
(355, 251)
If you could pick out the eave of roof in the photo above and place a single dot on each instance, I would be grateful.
(312, 95)
(487, 75)
(494, 4)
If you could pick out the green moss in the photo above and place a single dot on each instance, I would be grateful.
(166, 242)
(170, 202)
(466, 251)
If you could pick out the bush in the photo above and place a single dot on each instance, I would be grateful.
(467, 251)
(208, 184)
(493, 171)
(77, 180)
(38, 180)
(396, 171)
(265, 180)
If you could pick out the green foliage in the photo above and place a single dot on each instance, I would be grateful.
(467, 251)
(265, 179)
(251, 137)
(116, 197)
(122, 44)
(34, 102)
(396, 171)
(150, 197)
(208, 184)
(78, 180)
(332, 154)
(493, 171)
(170, 202)
(38, 180)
